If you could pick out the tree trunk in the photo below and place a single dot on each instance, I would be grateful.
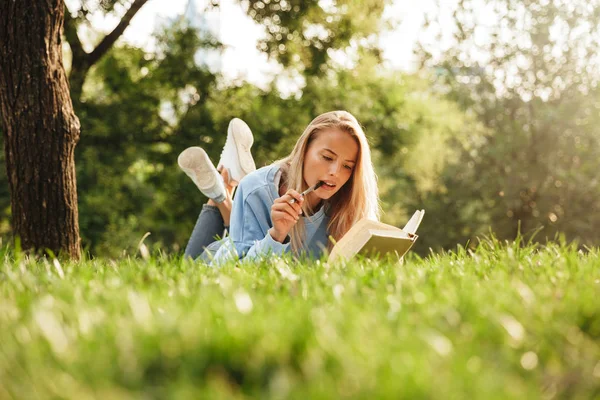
(40, 127)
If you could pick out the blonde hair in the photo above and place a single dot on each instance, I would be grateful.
(357, 198)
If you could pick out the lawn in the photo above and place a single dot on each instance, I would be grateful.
(502, 321)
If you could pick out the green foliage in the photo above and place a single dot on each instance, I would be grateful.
(126, 143)
(503, 321)
(303, 33)
(531, 80)
(107, 6)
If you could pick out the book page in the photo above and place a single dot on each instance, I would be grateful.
(397, 233)
(352, 241)
(413, 223)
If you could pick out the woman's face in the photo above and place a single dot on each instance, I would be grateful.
(330, 157)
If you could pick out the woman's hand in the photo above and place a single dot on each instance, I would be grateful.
(285, 215)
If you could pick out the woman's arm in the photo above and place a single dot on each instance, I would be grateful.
(249, 227)
(252, 239)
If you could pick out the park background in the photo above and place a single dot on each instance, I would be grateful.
(485, 114)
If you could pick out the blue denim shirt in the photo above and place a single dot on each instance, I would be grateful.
(251, 221)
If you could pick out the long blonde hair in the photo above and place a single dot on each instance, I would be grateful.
(357, 199)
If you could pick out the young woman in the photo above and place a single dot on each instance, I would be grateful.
(269, 215)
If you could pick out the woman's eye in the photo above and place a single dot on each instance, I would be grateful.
(328, 158)
(348, 167)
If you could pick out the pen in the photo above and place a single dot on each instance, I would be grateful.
(307, 191)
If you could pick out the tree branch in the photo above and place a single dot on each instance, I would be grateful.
(112, 37)
(70, 30)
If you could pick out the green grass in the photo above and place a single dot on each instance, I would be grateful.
(500, 322)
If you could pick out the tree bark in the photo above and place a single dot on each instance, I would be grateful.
(40, 127)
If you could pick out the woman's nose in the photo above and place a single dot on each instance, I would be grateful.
(334, 168)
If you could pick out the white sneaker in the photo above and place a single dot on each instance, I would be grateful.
(195, 163)
(236, 156)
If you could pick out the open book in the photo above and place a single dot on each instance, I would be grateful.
(370, 238)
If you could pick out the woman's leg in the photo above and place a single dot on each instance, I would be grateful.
(209, 228)
(236, 162)
(212, 221)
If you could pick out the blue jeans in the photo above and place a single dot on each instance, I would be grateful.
(207, 234)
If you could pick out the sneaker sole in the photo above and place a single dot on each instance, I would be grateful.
(197, 165)
(243, 140)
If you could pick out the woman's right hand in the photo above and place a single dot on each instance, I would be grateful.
(284, 215)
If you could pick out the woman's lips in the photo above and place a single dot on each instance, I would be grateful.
(328, 188)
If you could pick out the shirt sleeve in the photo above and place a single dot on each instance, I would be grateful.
(249, 228)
